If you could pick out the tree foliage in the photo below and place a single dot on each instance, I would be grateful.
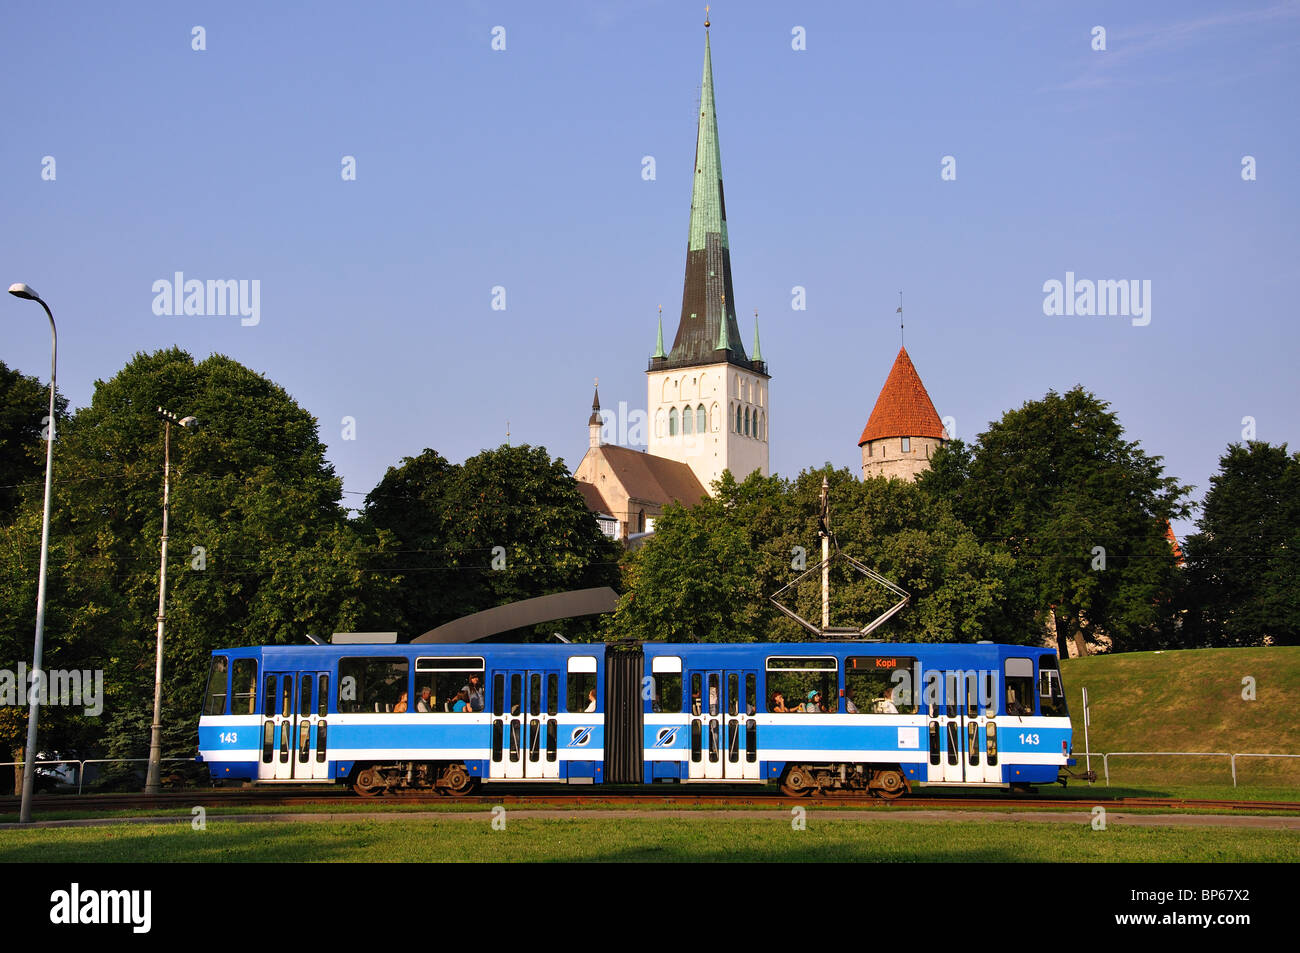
(507, 524)
(708, 572)
(259, 551)
(1083, 513)
(24, 405)
(1243, 575)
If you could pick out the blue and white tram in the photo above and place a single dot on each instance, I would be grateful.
(855, 717)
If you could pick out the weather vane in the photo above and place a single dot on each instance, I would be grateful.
(706, 16)
(899, 312)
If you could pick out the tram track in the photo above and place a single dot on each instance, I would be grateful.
(216, 797)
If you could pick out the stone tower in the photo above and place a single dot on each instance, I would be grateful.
(904, 429)
(709, 401)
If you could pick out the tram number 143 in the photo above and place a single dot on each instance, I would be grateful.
(1028, 739)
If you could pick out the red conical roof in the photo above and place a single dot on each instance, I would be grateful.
(903, 409)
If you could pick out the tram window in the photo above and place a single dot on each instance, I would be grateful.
(371, 684)
(1019, 676)
(714, 693)
(243, 683)
(516, 693)
(215, 702)
(878, 685)
(268, 741)
(751, 694)
(666, 692)
(798, 678)
(268, 696)
(445, 677)
(552, 690)
(304, 697)
(321, 728)
(323, 698)
(580, 688)
(286, 695)
(535, 695)
(1051, 694)
(498, 698)
(695, 693)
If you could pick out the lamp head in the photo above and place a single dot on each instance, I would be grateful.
(20, 290)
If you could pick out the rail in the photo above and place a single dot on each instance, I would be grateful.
(1232, 758)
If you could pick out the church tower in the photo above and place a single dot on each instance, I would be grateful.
(708, 400)
(904, 429)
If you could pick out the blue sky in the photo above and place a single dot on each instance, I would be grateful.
(522, 168)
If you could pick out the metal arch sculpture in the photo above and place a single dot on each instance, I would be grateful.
(526, 612)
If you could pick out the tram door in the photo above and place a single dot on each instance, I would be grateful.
(294, 727)
(724, 733)
(963, 730)
(525, 730)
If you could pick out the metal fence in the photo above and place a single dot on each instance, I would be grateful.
(81, 765)
(1232, 758)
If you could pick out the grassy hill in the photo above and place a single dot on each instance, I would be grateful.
(1190, 700)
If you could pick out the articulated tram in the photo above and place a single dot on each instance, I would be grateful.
(866, 717)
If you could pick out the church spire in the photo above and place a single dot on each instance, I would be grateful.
(758, 352)
(659, 353)
(708, 319)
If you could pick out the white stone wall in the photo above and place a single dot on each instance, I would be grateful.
(721, 389)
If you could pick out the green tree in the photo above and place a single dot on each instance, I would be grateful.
(260, 550)
(1243, 577)
(24, 405)
(1082, 511)
(507, 524)
(710, 570)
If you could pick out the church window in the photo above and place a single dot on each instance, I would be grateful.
(701, 420)
(907, 444)
(688, 420)
(748, 432)
(672, 422)
(869, 453)
(737, 427)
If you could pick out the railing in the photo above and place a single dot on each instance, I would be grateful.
(81, 765)
(1232, 758)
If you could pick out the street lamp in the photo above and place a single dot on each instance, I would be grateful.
(20, 290)
(152, 782)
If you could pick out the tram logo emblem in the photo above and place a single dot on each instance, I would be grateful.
(665, 737)
(580, 737)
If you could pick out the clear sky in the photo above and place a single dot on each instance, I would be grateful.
(522, 168)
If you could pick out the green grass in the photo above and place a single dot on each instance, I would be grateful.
(1191, 700)
(648, 839)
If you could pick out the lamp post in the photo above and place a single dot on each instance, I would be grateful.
(153, 778)
(20, 290)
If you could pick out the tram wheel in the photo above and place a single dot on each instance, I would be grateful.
(797, 783)
(456, 781)
(889, 785)
(368, 784)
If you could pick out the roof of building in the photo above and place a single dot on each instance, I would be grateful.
(904, 408)
(591, 496)
(650, 478)
(707, 332)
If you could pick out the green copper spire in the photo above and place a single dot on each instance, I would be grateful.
(659, 347)
(758, 352)
(708, 319)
